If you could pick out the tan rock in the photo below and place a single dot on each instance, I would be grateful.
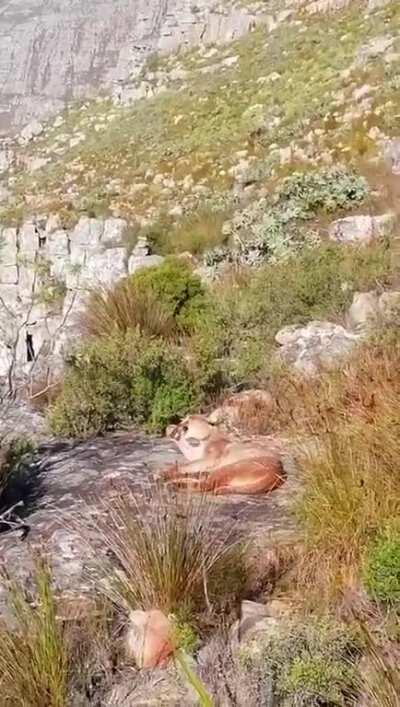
(149, 638)
(235, 410)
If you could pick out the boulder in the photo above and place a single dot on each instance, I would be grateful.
(375, 48)
(146, 261)
(389, 307)
(317, 344)
(364, 310)
(391, 154)
(33, 129)
(149, 638)
(234, 411)
(361, 229)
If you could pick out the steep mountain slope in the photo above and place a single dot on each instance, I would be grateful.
(53, 50)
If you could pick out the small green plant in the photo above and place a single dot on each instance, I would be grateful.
(311, 662)
(176, 287)
(120, 380)
(186, 637)
(381, 566)
(193, 680)
(34, 660)
(16, 479)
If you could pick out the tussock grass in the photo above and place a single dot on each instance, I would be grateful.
(34, 659)
(122, 307)
(196, 233)
(165, 553)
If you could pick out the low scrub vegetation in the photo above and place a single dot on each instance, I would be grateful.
(163, 345)
(195, 233)
(381, 566)
(17, 480)
(310, 662)
(120, 380)
(251, 306)
(278, 226)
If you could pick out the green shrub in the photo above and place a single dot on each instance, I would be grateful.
(122, 380)
(177, 288)
(306, 193)
(318, 284)
(381, 567)
(310, 663)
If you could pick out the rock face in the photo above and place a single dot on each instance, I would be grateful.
(52, 51)
(45, 273)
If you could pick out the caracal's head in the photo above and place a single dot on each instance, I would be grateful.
(192, 436)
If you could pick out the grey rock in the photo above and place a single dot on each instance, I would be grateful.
(361, 229)
(33, 129)
(6, 159)
(375, 48)
(389, 306)
(314, 345)
(364, 310)
(137, 262)
(391, 153)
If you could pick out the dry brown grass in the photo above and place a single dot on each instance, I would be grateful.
(351, 473)
(124, 307)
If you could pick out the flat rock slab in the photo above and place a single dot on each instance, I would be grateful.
(76, 480)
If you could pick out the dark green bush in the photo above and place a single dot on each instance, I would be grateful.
(121, 380)
(178, 289)
(381, 567)
(16, 478)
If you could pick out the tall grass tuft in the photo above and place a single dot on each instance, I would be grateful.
(165, 553)
(351, 474)
(122, 307)
(34, 659)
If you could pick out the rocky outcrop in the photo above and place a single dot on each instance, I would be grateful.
(75, 480)
(45, 273)
(52, 51)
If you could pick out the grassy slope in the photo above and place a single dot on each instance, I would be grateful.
(198, 129)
